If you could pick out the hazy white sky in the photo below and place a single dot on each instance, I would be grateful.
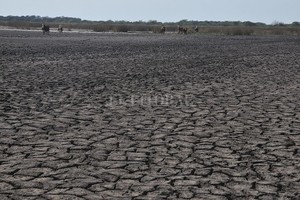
(266, 11)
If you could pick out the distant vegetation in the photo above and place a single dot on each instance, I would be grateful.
(205, 27)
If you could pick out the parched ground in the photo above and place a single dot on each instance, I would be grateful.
(148, 116)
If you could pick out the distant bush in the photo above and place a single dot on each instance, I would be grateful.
(242, 30)
(278, 31)
(123, 28)
(277, 23)
(238, 30)
(101, 28)
(296, 24)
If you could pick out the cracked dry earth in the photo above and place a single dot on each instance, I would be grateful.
(145, 116)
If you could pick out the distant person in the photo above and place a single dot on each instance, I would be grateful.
(163, 29)
(60, 28)
(185, 30)
(182, 30)
(45, 29)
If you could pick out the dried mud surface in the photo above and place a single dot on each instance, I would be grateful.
(144, 116)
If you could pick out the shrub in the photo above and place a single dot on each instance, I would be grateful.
(239, 30)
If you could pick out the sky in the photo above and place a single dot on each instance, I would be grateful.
(266, 11)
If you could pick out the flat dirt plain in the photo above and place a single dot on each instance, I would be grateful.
(149, 116)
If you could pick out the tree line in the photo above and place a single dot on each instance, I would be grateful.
(66, 20)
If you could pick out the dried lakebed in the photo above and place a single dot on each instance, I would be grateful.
(148, 116)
